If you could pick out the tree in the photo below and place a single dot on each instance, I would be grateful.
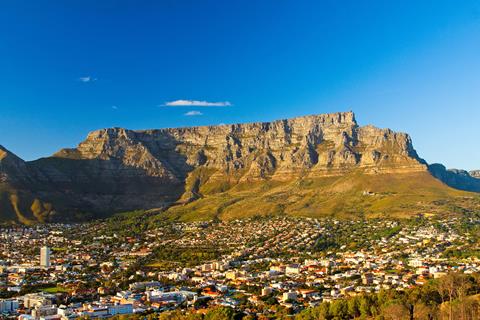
(396, 311)
(172, 315)
(354, 307)
(424, 312)
(451, 286)
(220, 313)
(339, 309)
(365, 310)
(462, 288)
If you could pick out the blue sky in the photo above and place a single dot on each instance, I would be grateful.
(69, 67)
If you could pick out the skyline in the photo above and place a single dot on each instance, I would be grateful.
(68, 70)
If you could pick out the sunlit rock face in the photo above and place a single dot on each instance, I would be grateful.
(475, 174)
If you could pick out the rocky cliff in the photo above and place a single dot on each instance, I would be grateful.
(326, 144)
(117, 169)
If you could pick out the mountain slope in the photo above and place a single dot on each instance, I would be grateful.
(17, 203)
(354, 194)
(312, 165)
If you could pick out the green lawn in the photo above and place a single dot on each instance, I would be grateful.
(56, 289)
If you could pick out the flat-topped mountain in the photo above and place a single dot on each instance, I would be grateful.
(312, 165)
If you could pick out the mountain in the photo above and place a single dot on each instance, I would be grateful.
(311, 166)
(459, 179)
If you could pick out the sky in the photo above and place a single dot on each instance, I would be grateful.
(70, 67)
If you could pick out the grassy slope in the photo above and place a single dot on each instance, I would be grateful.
(396, 195)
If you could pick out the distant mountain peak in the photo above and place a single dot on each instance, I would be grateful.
(7, 156)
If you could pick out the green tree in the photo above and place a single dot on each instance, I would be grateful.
(220, 313)
(365, 306)
(339, 309)
(354, 307)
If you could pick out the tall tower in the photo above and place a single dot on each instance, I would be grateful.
(45, 256)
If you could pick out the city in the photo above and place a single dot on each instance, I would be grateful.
(239, 160)
(258, 266)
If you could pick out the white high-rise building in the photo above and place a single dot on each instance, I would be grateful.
(45, 256)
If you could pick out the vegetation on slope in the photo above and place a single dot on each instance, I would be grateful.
(355, 194)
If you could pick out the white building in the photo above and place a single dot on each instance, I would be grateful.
(293, 269)
(44, 311)
(415, 263)
(266, 291)
(33, 300)
(45, 257)
(290, 295)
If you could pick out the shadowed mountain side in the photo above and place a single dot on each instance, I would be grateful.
(459, 179)
(60, 189)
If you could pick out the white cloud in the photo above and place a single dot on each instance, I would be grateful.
(196, 103)
(193, 113)
(87, 79)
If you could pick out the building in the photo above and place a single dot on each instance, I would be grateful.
(8, 305)
(293, 269)
(45, 257)
(207, 267)
(266, 291)
(32, 300)
(120, 309)
(44, 311)
(415, 263)
(231, 275)
(106, 311)
(367, 278)
(139, 286)
(289, 296)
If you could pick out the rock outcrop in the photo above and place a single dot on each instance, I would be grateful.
(475, 174)
(117, 169)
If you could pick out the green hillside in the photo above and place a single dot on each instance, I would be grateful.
(351, 195)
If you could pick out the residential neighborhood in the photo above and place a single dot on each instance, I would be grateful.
(257, 266)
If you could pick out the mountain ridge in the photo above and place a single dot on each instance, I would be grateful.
(116, 169)
(456, 178)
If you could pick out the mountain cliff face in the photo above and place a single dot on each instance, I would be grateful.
(118, 170)
(326, 144)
